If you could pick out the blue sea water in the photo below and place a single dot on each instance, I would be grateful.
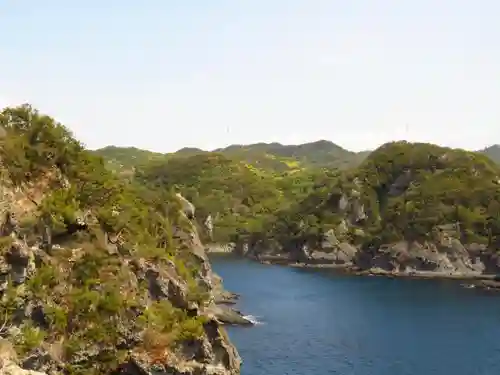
(316, 322)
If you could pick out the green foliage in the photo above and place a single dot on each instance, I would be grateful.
(88, 294)
(46, 278)
(447, 186)
(230, 191)
(442, 186)
(34, 143)
(59, 208)
(273, 157)
(29, 338)
(315, 154)
(125, 159)
(436, 186)
(260, 193)
(161, 317)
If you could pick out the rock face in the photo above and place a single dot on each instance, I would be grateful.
(187, 207)
(209, 226)
(22, 255)
(8, 359)
(446, 259)
(220, 248)
(444, 255)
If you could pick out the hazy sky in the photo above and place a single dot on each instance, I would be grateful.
(164, 74)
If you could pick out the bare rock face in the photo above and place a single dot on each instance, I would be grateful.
(401, 183)
(343, 254)
(8, 360)
(10, 368)
(187, 207)
(209, 226)
(330, 240)
(212, 355)
(452, 258)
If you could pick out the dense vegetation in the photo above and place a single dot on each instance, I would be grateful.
(275, 193)
(405, 190)
(85, 295)
(239, 197)
(266, 156)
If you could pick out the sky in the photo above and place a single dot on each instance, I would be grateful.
(167, 74)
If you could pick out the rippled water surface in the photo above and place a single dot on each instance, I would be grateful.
(318, 323)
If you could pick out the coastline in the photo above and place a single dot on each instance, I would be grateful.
(484, 281)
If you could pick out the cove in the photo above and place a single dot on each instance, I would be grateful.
(317, 322)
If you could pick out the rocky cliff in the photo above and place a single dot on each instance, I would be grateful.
(98, 276)
(29, 269)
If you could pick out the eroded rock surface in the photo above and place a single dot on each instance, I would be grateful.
(20, 261)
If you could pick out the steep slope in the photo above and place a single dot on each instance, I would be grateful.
(98, 276)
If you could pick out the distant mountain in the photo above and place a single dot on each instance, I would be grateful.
(493, 152)
(321, 153)
(271, 156)
(125, 159)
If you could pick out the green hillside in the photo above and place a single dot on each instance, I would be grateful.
(403, 191)
(239, 197)
(125, 159)
(268, 156)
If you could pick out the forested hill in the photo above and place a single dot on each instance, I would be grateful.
(271, 156)
(404, 206)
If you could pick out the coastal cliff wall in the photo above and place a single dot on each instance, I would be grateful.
(25, 282)
(98, 275)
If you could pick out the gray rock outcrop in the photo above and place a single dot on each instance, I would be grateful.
(187, 207)
(20, 260)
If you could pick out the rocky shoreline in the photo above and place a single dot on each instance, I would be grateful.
(483, 281)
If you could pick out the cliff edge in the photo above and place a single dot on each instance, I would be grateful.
(97, 276)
